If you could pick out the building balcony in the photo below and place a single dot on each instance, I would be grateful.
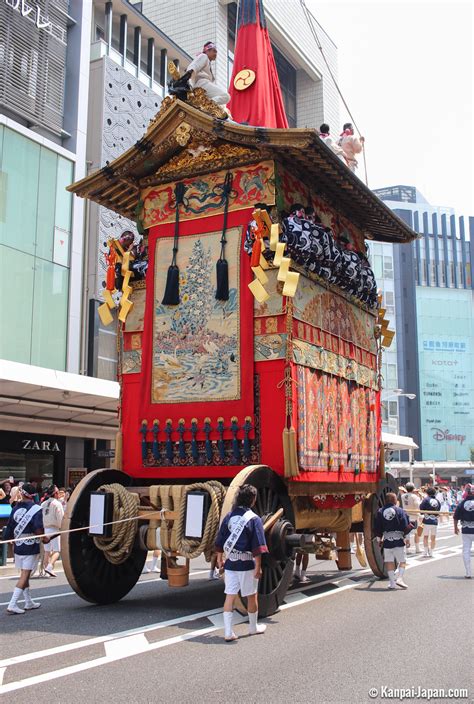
(100, 48)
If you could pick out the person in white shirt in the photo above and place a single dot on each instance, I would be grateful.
(411, 503)
(53, 513)
(329, 141)
(351, 145)
(203, 77)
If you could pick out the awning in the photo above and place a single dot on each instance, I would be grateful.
(48, 401)
(398, 442)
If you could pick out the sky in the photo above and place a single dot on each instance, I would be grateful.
(406, 72)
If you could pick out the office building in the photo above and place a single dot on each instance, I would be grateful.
(435, 327)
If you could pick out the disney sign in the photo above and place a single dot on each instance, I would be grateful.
(440, 435)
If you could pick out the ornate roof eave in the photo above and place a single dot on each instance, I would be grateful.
(177, 124)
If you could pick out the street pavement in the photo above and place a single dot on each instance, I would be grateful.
(333, 640)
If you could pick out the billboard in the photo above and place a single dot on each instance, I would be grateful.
(445, 320)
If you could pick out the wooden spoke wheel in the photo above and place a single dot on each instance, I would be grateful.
(89, 573)
(371, 506)
(277, 566)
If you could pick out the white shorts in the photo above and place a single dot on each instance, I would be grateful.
(26, 562)
(241, 581)
(395, 554)
(429, 530)
(54, 545)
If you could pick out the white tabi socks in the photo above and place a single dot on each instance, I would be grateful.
(13, 607)
(29, 603)
(228, 632)
(391, 579)
(255, 627)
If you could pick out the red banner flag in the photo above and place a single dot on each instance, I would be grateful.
(254, 87)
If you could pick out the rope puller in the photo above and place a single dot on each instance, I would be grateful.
(310, 21)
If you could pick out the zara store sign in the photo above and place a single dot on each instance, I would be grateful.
(39, 445)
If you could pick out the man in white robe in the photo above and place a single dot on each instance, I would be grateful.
(203, 77)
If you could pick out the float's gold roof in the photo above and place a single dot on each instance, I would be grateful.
(183, 141)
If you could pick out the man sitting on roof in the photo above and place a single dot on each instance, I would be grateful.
(203, 77)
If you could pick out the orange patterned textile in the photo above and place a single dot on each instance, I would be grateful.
(338, 425)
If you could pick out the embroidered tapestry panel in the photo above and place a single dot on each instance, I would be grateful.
(135, 318)
(204, 195)
(337, 423)
(331, 313)
(315, 357)
(196, 345)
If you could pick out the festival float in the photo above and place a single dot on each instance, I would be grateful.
(251, 336)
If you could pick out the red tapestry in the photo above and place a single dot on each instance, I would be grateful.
(137, 403)
(338, 426)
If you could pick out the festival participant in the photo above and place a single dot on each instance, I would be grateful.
(430, 521)
(241, 539)
(350, 145)
(25, 522)
(301, 565)
(203, 77)
(53, 513)
(330, 142)
(411, 503)
(153, 564)
(391, 526)
(5, 489)
(465, 513)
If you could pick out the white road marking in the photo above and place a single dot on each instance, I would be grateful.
(131, 645)
(98, 662)
(73, 669)
(71, 593)
(2, 672)
(103, 639)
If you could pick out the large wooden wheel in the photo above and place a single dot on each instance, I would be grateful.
(371, 506)
(89, 573)
(277, 565)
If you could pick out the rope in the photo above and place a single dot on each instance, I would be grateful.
(117, 548)
(192, 548)
(309, 19)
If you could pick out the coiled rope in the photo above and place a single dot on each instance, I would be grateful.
(117, 548)
(190, 548)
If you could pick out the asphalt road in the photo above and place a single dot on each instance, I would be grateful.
(333, 641)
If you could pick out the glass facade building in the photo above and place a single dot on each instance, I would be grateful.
(35, 237)
(446, 370)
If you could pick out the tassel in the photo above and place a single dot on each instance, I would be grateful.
(208, 443)
(247, 427)
(143, 431)
(222, 267)
(169, 443)
(256, 252)
(155, 449)
(181, 445)
(293, 452)
(171, 295)
(286, 451)
(194, 445)
(220, 442)
(222, 274)
(118, 450)
(234, 426)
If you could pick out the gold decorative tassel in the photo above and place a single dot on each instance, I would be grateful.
(293, 452)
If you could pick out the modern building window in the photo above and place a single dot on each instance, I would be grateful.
(391, 375)
(392, 408)
(377, 263)
(35, 232)
(388, 267)
(287, 76)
